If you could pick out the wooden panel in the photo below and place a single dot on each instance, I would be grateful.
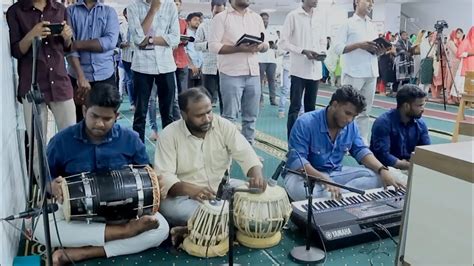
(453, 159)
(466, 129)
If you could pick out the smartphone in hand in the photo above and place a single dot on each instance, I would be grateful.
(56, 28)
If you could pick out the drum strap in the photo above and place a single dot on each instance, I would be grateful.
(88, 192)
(140, 193)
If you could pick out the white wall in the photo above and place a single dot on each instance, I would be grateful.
(458, 14)
(12, 179)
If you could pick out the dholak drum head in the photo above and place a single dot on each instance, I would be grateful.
(114, 196)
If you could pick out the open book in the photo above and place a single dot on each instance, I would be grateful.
(250, 39)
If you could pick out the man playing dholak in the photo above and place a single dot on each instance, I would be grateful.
(97, 144)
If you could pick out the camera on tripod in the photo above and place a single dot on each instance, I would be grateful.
(440, 25)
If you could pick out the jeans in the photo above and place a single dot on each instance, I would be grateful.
(357, 177)
(152, 109)
(298, 86)
(285, 89)
(182, 79)
(269, 69)
(166, 94)
(241, 93)
(366, 87)
(127, 67)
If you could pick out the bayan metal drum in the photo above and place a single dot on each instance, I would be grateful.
(113, 196)
(259, 218)
(208, 230)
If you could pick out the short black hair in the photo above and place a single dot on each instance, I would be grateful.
(408, 93)
(193, 94)
(217, 3)
(264, 14)
(193, 15)
(401, 32)
(347, 94)
(103, 95)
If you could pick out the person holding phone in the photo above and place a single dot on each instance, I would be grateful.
(303, 36)
(356, 42)
(28, 19)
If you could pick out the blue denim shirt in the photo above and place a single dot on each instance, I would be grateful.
(310, 138)
(70, 151)
(101, 22)
(392, 140)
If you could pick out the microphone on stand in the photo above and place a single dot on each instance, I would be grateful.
(52, 207)
(220, 189)
(273, 180)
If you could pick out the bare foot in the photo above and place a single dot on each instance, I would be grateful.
(60, 258)
(143, 224)
(178, 233)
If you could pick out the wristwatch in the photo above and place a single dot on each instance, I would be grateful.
(150, 40)
(383, 167)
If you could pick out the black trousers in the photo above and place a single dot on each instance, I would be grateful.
(298, 86)
(166, 87)
(111, 81)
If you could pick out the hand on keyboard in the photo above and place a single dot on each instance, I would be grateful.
(335, 192)
(389, 180)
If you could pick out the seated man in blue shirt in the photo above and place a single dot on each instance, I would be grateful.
(396, 133)
(98, 144)
(320, 139)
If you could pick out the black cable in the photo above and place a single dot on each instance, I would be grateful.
(379, 225)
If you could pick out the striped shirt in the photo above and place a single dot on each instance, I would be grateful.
(165, 24)
(209, 65)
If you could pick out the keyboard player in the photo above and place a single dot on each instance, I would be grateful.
(320, 139)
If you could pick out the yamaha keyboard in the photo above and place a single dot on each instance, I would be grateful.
(354, 218)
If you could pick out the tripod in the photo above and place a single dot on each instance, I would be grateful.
(35, 97)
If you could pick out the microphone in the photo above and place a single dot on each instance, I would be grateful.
(273, 180)
(220, 189)
(50, 208)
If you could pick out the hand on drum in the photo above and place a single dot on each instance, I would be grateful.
(202, 193)
(258, 182)
(57, 190)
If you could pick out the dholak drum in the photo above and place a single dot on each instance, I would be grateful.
(112, 196)
(259, 218)
(208, 230)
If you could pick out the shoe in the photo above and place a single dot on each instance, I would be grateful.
(281, 114)
(154, 136)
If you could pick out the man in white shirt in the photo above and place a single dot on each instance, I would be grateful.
(303, 36)
(195, 56)
(359, 54)
(238, 65)
(267, 60)
(127, 53)
(154, 30)
(210, 72)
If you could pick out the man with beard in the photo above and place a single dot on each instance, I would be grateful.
(320, 139)
(195, 152)
(396, 133)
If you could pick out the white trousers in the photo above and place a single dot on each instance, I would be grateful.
(82, 234)
(366, 86)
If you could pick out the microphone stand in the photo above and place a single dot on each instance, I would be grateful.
(35, 97)
(308, 254)
(228, 194)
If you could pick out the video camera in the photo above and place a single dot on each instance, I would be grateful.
(440, 25)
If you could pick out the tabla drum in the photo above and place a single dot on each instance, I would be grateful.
(114, 196)
(260, 218)
(208, 230)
